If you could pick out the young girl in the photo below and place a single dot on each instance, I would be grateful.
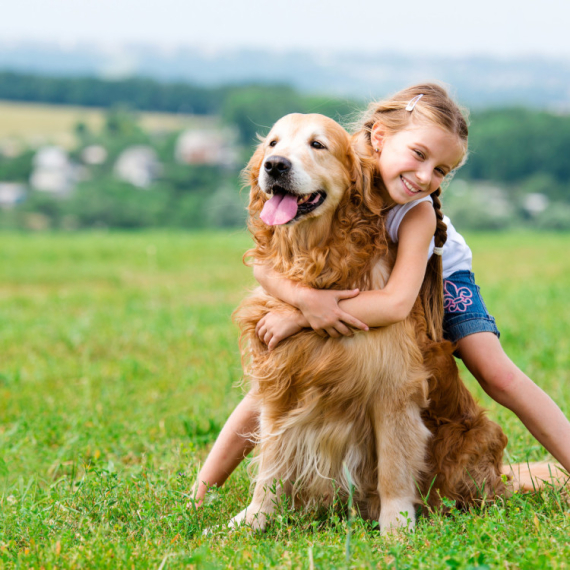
(418, 138)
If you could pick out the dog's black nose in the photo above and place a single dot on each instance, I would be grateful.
(276, 166)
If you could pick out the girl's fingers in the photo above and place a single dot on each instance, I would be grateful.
(258, 326)
(346, 317)
(353, 321)
(267, 338)
(349, 294)
(343, 329)
(333, 332)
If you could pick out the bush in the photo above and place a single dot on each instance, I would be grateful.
(478, 206)
(556, 217)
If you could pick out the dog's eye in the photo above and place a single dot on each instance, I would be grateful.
(273, 143)
(318, 145)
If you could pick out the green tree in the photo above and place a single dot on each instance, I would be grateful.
(511, 145)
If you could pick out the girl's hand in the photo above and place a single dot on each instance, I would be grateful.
(320, 308)
(279, 325)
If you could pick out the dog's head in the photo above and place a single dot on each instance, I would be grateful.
(314, 214)
(301, 170)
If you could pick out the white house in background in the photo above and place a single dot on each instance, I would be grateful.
(11, 193)
(535, 203)
(53, 172)
(209, 147)
(138, 165)
(94, 154)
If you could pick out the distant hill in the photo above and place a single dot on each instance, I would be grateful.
(478, 81)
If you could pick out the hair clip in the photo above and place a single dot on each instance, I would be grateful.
(410, 106)
(438, 250)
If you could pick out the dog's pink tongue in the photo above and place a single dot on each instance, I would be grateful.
(279, 209)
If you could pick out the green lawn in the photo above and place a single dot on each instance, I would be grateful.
(119, 364)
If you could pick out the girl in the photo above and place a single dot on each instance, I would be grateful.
(418, 138)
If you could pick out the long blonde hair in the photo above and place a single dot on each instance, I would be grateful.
(435, 106)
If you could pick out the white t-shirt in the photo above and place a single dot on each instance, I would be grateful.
(456, 253)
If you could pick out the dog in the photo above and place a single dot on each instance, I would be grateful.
(380, 415)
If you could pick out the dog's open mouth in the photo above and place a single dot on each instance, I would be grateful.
(284, 207)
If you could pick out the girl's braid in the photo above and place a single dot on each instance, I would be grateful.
(431, 292)
(441, 228)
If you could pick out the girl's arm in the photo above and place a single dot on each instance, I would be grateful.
(319, 307)
(394, 303)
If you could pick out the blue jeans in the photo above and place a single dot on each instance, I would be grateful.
(465, 312)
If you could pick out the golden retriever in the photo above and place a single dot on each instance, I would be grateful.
(383, 412)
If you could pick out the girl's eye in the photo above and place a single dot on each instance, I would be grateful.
(272, 143)
(441, 172)
(419, 154)
(318, 145)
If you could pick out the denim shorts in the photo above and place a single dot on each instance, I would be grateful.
(465, 312)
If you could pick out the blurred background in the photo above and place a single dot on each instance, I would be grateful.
(123, 114)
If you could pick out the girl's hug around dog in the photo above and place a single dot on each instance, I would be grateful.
(366, 292)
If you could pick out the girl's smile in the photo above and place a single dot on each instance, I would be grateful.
(411, 188)
(414, 161)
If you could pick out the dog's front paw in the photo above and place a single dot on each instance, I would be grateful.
(251, 517)
(238, 520)
(397, 515)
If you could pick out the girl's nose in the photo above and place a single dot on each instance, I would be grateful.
(424, 175)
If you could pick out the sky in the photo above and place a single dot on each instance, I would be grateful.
(446, 27)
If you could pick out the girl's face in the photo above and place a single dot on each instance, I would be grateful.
(414, 161)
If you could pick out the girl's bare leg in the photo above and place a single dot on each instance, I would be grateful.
(485, 358)
(229, 450)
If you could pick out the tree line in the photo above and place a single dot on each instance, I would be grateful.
(143, 94)
(138, 93)
(507, 145)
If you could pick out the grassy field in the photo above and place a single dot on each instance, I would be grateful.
(119, 364)
(39, 124)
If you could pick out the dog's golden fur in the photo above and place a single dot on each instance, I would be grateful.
(385, 406)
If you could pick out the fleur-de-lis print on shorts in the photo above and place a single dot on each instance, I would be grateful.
(456, 299)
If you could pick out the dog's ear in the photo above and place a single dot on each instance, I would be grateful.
(357, 175)
(362, 172)
(362, 175)
(358, 223)
(251, 179)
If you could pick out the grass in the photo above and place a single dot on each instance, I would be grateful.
(33, 123)
(118, 367)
